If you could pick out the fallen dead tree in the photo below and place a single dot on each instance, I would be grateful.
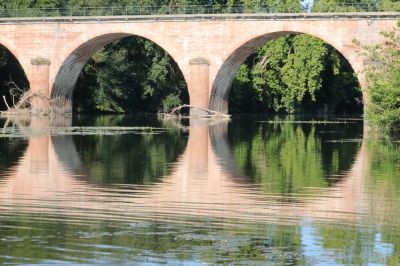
(208, 113)
(27, 102)
(24, 100)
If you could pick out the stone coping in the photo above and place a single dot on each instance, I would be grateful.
(202, 17)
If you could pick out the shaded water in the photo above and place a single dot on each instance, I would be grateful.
(248, 191)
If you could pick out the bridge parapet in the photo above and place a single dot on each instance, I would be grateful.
(196, 10)
(201, 17)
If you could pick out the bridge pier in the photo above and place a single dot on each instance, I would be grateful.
(198, 85)
(39, 83)
(198, 142)
(38, 146)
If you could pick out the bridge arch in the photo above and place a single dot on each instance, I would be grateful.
(10, 46)
(77, 55)
(219, 95)
(16, 70)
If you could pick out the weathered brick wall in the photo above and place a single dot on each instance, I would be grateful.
(222, 41)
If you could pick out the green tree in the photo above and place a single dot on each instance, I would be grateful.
(131, 74)
(383, 77)
(297, 73)
(355, 5)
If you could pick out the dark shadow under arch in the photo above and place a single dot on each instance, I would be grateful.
(219, 98)
(10, 71)
(67, 76)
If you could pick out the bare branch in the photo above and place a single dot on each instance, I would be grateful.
(5, 101)
(211, 113)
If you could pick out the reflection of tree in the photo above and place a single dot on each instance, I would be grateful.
(133, 158)
(384, 188)
(286, 157)
(379, 241)
(350, 244)
(384, 167)
(217, 220)
(13, 148)
(82, 242)
(92, 237)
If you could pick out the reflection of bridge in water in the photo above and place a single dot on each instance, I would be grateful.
(203, 182)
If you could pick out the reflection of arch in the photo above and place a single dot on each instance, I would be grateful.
(219, 142)
(67, 154)
(73, 64)
(225, 151)
(198, 186)
(71, 153)
(226, 74)
(204, 183)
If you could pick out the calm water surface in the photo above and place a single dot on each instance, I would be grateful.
(251, 191)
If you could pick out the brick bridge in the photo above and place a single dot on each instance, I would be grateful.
(207, 48)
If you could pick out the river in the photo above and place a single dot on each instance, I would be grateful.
(249, 191)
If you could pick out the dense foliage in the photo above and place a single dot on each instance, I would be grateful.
(289, 74)
(298, 73)
(356, 5)
(131, 74)
(383, 77)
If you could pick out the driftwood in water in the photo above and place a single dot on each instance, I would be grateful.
(211, 113)
(22, 99)
(24, 104)
(5, 101)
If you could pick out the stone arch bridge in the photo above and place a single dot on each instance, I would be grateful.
(207, 48)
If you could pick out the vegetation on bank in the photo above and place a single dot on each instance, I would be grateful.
(290, 74)
(383, 78)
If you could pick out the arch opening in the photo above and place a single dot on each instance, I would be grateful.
(117, 73)
(13, 80)
(287, 72)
